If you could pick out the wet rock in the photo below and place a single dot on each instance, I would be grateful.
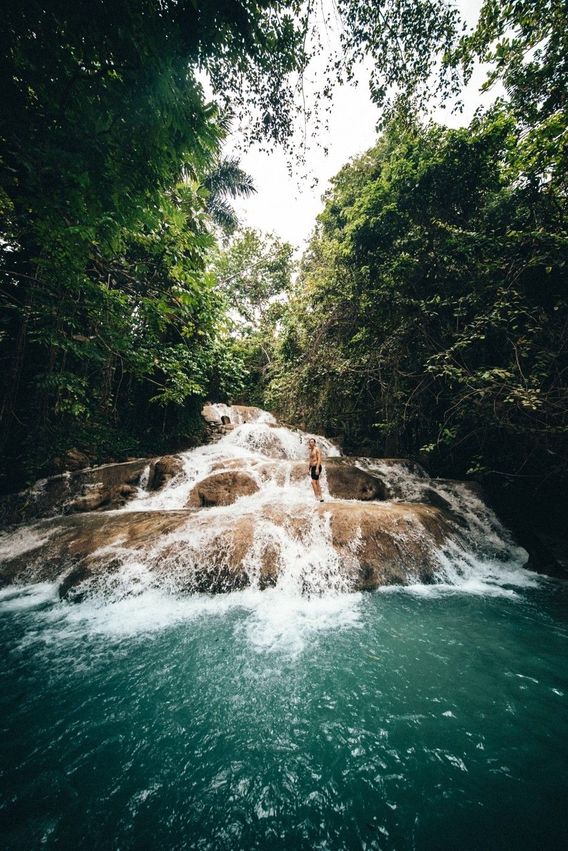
(233, 464)
(222, 489)
(210, 415)
(50, 549)
(394, 544)
(162, 470)
(432, 497)
(98, 496)
(246, 413)
(377, 544)
(217, 425)
(349, 482)
(405, 463)
(65, 492)
(547, 555)
(268, 443)
(345, 479)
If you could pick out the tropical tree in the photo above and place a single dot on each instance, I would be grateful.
(429, 316)
(253, 275)
(224, 182)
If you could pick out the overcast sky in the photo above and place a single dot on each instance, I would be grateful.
(289, 205)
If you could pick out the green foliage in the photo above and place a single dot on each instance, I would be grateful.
(225, 181)
(252, 271)
(253, 277)
(402, 41)
(110, 320)
(525, 44)
(429, 314)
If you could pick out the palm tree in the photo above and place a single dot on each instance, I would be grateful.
(226, 180)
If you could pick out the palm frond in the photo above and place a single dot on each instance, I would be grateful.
(222, 214)
(227, 178)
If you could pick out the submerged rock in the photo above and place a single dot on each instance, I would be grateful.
(342, 546)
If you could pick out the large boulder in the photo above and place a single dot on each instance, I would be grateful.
(393, 544)
(162, 470)
(350, 546)
(222, 489)
(346, 481)
(211, 415)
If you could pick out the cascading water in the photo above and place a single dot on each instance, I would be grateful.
(480, 554)
(286, 542)
(290, 712)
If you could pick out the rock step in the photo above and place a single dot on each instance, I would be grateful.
(109, 486)
(344, 481)
(377, 544)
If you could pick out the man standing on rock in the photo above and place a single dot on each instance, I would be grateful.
(315, 467)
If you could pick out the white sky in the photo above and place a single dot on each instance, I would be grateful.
(288, 205)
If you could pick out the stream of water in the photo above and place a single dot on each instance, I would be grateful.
(424, 717)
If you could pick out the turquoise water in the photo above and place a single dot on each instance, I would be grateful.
(417, 719)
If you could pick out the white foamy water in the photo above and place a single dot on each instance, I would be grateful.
(13, 544)
(277, 620)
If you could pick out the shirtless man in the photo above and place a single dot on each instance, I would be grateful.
(314, 469)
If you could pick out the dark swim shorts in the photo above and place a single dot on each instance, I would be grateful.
(315, 472)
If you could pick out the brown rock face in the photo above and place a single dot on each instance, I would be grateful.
(222, 489)
(395, 544)
(107, 486)
(210, 415)
(98, 496)
(162, 470)
(56, 545)
(216, 425)
(349, 482)
(377, 544)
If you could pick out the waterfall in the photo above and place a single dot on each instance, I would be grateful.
(384, 523)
